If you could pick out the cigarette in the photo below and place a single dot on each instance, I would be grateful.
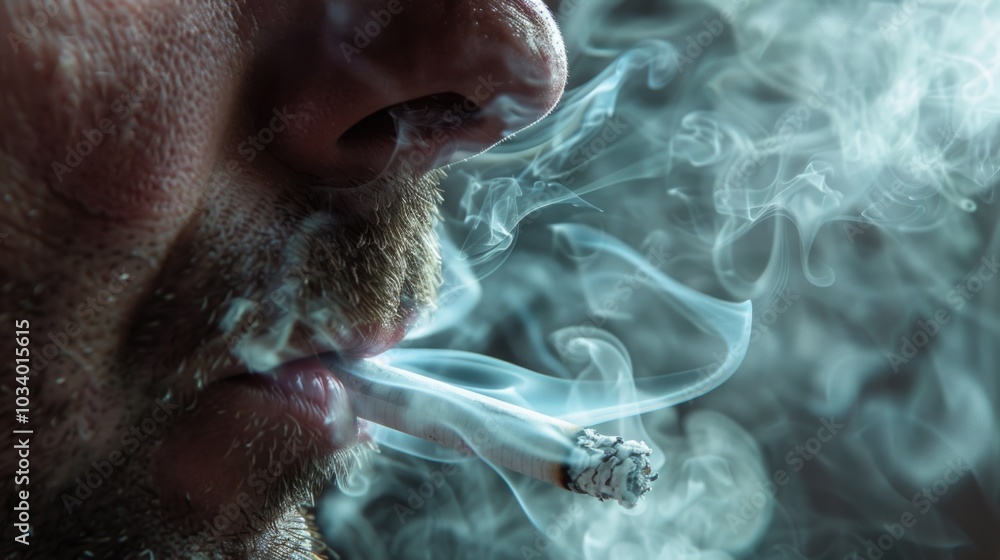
(548, 449)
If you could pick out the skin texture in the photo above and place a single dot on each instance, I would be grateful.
(197, 189)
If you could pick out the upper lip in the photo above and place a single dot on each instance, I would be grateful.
(365, 341)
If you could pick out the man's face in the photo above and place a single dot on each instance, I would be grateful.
(196, 190)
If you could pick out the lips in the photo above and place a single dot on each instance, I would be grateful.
(251, 437)
(305, 391)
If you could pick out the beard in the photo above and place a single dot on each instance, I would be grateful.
(309, 269)
(342, 277)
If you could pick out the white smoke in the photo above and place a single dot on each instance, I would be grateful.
(833, 162)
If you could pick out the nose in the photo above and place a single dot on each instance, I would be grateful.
(365, 88)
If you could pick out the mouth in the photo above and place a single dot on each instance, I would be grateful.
(307, 392)
(266, 442)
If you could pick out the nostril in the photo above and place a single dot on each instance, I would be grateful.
(430, 128)
(377, 127)
(364, 151)
(410, 121)
(447, 111)
(411, 137)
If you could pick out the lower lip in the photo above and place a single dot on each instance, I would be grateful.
(244, 422)
(253, 425)
(303, 389)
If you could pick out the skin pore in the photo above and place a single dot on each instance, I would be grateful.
(194, 191)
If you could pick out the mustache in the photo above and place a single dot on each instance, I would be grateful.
(367, 255)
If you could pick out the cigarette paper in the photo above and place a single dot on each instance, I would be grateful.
(545, 448)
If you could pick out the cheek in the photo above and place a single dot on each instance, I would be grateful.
(109, 128)
(136, 134)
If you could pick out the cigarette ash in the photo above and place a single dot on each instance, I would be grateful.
(610, 468)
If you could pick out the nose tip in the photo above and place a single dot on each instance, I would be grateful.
(407, 86)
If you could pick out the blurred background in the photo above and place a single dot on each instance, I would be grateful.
(834, 164)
